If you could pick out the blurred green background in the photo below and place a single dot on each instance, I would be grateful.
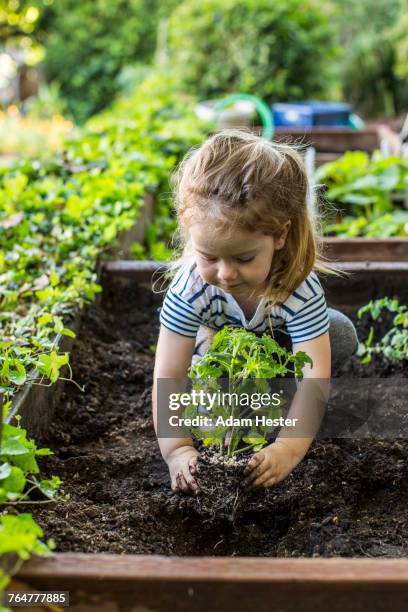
(124, 77)
(73, 57)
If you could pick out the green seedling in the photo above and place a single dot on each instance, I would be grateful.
(243, 363)
(20, 535)
(394, 344)
(19, 469)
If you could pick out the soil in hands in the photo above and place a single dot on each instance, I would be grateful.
(347, 497)
(220, 479)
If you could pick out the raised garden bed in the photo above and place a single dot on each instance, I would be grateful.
(366, 249)
(331, 140)
(347, 498)
(330, 143)
(36, 404)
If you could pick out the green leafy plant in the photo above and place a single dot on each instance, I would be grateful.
(368, 33)
(393, 345)
(21, 485)
(94, 43)
(392, 224)
(278, 50)
(369, 195)
(244, 362)
(20, 537)
(19, 468)
(58, 215)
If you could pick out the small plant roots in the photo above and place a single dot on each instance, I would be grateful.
(220, 480)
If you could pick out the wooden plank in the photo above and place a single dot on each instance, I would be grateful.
(140, 271)
(220, 569)
(143, 270)
(363, 281)
(328, 140)
(362, 249)
(128, 582)
(373, 267)
(359, 283)
(137, 232)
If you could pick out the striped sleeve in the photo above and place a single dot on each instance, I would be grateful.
(310, 321)
(177, 312)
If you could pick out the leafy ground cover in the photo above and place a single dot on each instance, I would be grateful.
(367, 196)
(392, 345)
(20, 484)
(58, 215)
(347, 497)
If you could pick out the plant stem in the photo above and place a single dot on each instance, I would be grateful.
(44, 501)
(241, 450)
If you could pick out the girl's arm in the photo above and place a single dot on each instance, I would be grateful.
(173, 359)
(274, 462)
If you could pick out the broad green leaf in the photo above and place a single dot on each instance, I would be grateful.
(17, 373)
(50, 487)
(44, 319)
(68, 332)
(15, 482)
(12, 446)
(5, 470)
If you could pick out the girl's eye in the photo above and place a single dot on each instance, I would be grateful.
(246, 260)
(207, 258)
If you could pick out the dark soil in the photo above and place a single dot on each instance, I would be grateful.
(348, 497)
(220, 479)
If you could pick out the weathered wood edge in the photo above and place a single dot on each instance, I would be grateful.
(106, 566)
(156, 583)
(144, 270)
(328, 139)
(366, 249)
(361, 281)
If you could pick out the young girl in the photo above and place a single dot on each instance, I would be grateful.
(250, 258)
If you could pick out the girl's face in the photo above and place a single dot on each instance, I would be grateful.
(239, 264)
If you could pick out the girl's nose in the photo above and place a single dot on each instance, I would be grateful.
(226, 272)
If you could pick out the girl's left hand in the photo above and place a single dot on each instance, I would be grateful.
(270, 465)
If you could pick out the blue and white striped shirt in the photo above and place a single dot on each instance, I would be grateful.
(191, 302)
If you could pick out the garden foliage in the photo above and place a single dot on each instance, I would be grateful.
(369, 195)
(89, 43)
(402, 48)
(393, 344)
(243, 362)
(278, 50)
(58, 214)
(370, 69)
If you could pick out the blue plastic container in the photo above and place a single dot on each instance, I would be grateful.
(311, 114)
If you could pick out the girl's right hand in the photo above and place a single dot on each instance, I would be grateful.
(182, 463)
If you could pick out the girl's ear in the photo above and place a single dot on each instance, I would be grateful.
(280, 239)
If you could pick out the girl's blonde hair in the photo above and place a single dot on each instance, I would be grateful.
(237, 180)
